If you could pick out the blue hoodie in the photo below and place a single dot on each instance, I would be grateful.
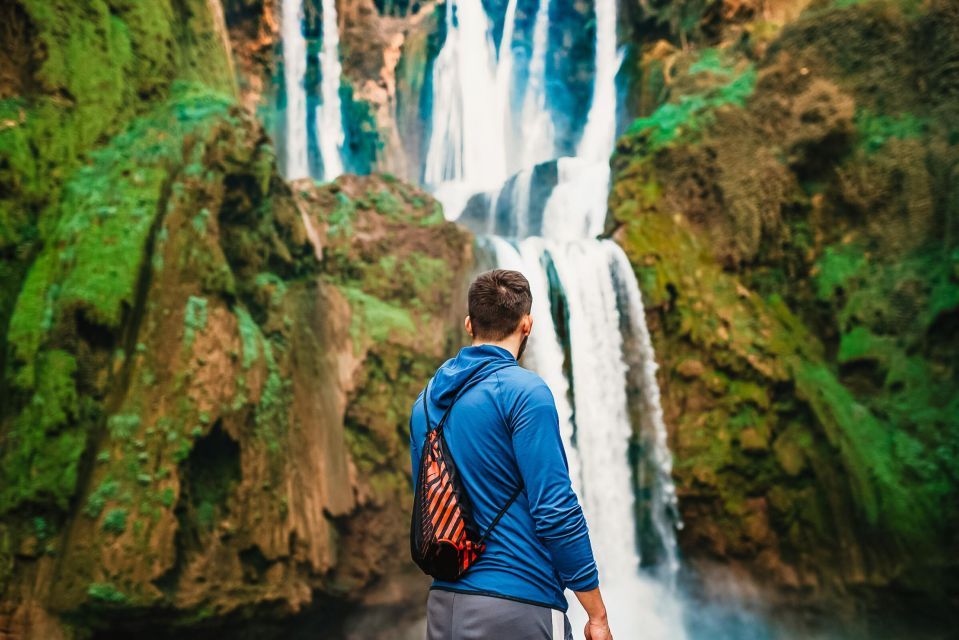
(501, 431)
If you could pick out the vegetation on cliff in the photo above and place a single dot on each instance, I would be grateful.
(200, 420)
(787, 197)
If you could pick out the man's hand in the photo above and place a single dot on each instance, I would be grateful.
(598, 627)
(598, 631)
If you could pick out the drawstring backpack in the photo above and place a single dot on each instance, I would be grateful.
(444, 539)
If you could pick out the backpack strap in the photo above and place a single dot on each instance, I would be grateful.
(439, 426)
(502, 511)
(476, 377)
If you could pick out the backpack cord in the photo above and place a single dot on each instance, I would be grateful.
(439, 426)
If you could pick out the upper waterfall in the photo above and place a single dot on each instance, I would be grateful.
(312, 149)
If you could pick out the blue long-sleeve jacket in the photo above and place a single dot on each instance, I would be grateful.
(504, 429)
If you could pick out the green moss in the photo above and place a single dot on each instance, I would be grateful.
(341, 218)
(194, 318)
(249, 336)
(96, 245)
(167, 497)
(115, 521)
(272, 283)
(876, 129)
(374, 317)
(42, 452)
(99, 243)
(837, 265)
(271, 410)
(873, 455)
(693, 113)
(98, 499)
(386, 203)
(106, 592)
(712, 60)
(123, 426)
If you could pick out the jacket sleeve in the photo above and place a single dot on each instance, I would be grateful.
(553, 505)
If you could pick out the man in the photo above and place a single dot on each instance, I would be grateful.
(503, 431)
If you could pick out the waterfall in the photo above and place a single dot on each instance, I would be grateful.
(590, 342)
(600, 132)
(536, 125)
(467, 148)
(329, 134)
(294, 73)
(329, 119)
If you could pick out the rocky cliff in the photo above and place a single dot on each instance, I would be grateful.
(206, 370)
(787, 195)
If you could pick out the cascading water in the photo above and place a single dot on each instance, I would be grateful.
(294, 72)
(327, 124)
(590, 342)
(329, 119)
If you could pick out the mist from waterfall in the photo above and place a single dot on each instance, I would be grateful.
(324, 137)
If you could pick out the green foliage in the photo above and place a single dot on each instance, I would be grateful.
(877, 129)
(341, 218)
(692, 113)
(836, 266)
(98, 499)
(194, 318)
(273, 283)
(41, 529)
(271, 411)
(711, 60)
(386, 203)
(115, 521)
(167, 497)
(249, 336)
(123, 426)
(106, 592)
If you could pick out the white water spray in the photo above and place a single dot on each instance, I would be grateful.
(467, 149)
(294, 73)
(535, 122)
(329, 119)
(600, 132)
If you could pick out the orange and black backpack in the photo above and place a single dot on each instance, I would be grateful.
(444, 538)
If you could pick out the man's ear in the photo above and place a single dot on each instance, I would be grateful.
(526, 326)
(469, 326)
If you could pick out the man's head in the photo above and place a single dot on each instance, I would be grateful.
(499, 308)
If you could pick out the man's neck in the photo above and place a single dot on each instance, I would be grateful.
(510, 345)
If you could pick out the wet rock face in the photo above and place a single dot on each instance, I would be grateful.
(786, 208)
(241, 424)
(207, 376)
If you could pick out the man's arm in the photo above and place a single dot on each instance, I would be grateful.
(556, 511)
(597, 628)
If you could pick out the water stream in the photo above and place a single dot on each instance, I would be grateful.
(541, 215)
(312, 148)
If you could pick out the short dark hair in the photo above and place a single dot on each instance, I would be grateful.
(498, 300)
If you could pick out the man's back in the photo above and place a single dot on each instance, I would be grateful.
(502, 431)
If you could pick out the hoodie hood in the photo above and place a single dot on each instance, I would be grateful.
(461, 370)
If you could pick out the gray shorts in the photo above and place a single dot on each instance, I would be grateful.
(467, 616)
